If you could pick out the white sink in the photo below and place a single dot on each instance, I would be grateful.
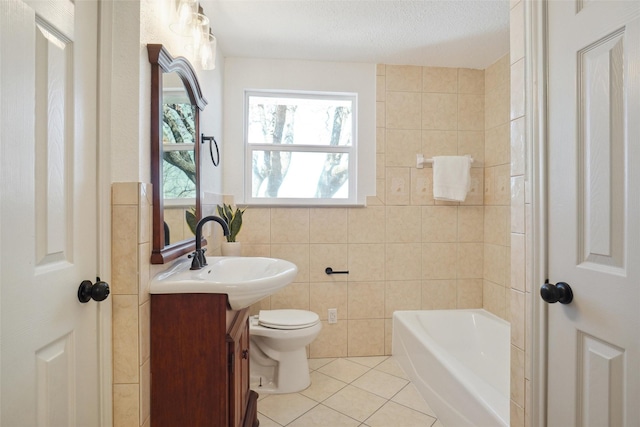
(244, 279)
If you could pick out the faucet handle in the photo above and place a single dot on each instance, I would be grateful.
(199, 260)
(196, 263)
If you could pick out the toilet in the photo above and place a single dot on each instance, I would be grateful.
(278, 349)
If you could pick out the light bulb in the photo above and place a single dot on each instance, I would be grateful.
(199, 30)
(186, 10)
(208, 53)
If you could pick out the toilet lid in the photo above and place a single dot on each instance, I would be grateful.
(287, 319)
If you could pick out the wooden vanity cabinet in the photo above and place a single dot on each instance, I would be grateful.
(199, 367)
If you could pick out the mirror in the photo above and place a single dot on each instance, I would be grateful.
(176, 101)
(178, 158)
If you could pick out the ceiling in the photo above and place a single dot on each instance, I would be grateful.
(446, 33)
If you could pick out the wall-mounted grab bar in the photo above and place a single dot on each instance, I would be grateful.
(329, 270)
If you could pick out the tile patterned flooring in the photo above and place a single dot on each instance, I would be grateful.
(350, 392)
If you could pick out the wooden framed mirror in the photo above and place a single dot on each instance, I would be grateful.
(176, 102)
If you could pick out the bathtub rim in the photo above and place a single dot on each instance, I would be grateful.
(489, 398)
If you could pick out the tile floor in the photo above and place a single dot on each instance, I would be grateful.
(350, 392)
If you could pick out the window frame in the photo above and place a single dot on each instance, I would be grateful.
(179, 201)
(177, 95)
(351, 150)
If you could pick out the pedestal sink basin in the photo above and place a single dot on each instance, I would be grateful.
(244, 279)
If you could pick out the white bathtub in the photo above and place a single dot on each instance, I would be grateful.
(459, 361)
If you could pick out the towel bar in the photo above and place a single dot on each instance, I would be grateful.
(421, 161)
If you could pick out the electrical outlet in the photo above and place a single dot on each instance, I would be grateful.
(333, 315)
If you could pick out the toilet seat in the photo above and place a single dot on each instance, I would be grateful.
(287, 319)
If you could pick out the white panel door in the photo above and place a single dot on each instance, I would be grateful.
(48, 228)
(594, 208)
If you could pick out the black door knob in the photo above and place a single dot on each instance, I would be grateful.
(560, 292)
(89, 291)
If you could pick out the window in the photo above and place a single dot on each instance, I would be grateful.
(300, 148)
(178, 155)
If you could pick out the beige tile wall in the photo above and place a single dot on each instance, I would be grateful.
(521, 237)
(175, 219)
(131, 251)
(497, 200)
(404, 251)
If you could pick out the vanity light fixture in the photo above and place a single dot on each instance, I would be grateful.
(191, 22)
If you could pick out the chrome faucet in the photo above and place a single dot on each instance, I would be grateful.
(199, 260)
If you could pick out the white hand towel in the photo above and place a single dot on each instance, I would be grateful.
(451, 177)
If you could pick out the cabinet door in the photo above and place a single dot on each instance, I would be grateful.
(188, 360)
(238, 341)
(244, 370)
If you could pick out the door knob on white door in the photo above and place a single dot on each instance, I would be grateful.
(89, 291)
(560, 292)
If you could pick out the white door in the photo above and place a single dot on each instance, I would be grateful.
(594, 208)
(48, 227)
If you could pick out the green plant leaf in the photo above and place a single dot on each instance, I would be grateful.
(235, 225)
(228, 213)
(192, 222)
(232, 218)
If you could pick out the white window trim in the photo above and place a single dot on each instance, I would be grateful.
(185, 201)
(257, 73)
(352, 150)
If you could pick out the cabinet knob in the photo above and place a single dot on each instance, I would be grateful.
(245, 354)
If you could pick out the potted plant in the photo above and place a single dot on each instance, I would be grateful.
(233, 218)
